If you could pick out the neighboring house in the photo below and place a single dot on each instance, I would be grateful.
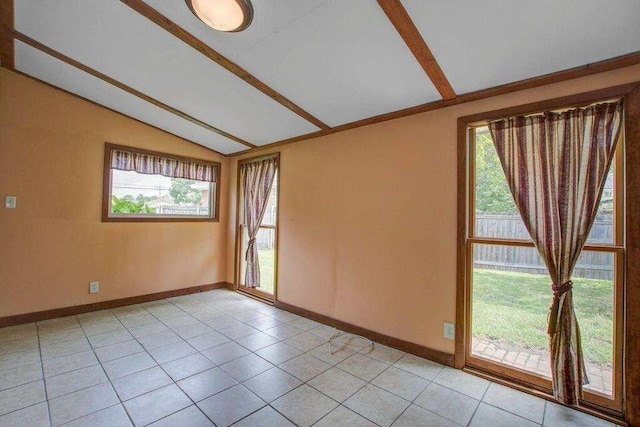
(167, 205)
(162, 201)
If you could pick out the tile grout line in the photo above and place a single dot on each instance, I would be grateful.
(359, 351)
(224, 303)
(269, 404)
(480, 401)
(308, 352)
(282, 341)
(197, 352)
(414, 399)
(321, 373)
(105, 373)
(44, 381)
(163, 370)
(370, 382)
(241, 383)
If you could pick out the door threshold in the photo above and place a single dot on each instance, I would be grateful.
(596, 411)
(257, 295)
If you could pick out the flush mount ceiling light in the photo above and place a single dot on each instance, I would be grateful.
(223, 15)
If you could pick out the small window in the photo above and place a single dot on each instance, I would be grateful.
(141, 185)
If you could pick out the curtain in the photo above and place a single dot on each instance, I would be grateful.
(257, 178)
(158, 165)
(556, 165)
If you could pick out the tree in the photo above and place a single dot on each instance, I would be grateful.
(142, 198)
(182, 192)
(492, 191)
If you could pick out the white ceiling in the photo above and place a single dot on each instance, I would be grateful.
(53, 71)
(108, 36)
(482, 44)
(340, 60)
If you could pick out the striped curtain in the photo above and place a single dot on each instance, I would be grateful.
(158, 165)
(257, 178)
(556, 165)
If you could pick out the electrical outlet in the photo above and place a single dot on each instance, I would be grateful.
(94, 287)
(10, 202)
(449, 331)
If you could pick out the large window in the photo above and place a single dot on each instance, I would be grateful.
(266, 238)
(142, 185)
(508, 286)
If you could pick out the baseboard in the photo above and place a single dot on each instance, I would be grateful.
(406, 346)
(103, 305)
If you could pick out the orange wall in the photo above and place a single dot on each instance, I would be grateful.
(368, 218)
(54, 243)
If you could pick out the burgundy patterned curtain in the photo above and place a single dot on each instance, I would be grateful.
(556, 165)
(158, 165)
(257, 178)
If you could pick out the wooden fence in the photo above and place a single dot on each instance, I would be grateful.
(591, 265)
(182, 210)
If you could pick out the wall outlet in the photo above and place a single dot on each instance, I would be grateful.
(10, 202)
(94, 287)
(449, 331)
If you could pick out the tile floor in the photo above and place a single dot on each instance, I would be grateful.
(220, 358)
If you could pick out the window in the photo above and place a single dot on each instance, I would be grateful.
(141, 185)
(507, 286)
(266, 237)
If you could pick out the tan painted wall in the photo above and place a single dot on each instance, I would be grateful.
(54, 243)
(368, 218)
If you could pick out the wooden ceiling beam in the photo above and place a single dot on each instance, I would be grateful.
(165, 23)
(43, 48)
(547, 79)
(401, 20)
(7, 57)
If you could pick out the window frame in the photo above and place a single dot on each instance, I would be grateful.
(530, 382)
(616, 249)
(256, 292)
(107, 181)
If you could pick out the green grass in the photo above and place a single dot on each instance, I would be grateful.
(513, 308)
(267, 273)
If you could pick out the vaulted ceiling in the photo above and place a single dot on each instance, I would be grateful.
(307, 67)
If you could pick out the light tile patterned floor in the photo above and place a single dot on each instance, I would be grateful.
(220, 358)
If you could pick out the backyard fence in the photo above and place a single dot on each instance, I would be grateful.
(591, 265)
(182, 210)
(266, 238)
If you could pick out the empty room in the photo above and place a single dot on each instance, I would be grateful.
(319, 213)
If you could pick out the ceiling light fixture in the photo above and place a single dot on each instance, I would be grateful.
(223, 15)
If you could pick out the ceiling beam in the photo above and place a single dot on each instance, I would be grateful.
(401, 20)
(165, 23)
(547, 79)
(41, 47)
(6, 34)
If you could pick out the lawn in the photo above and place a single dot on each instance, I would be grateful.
(267, 273)
(513, 308)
